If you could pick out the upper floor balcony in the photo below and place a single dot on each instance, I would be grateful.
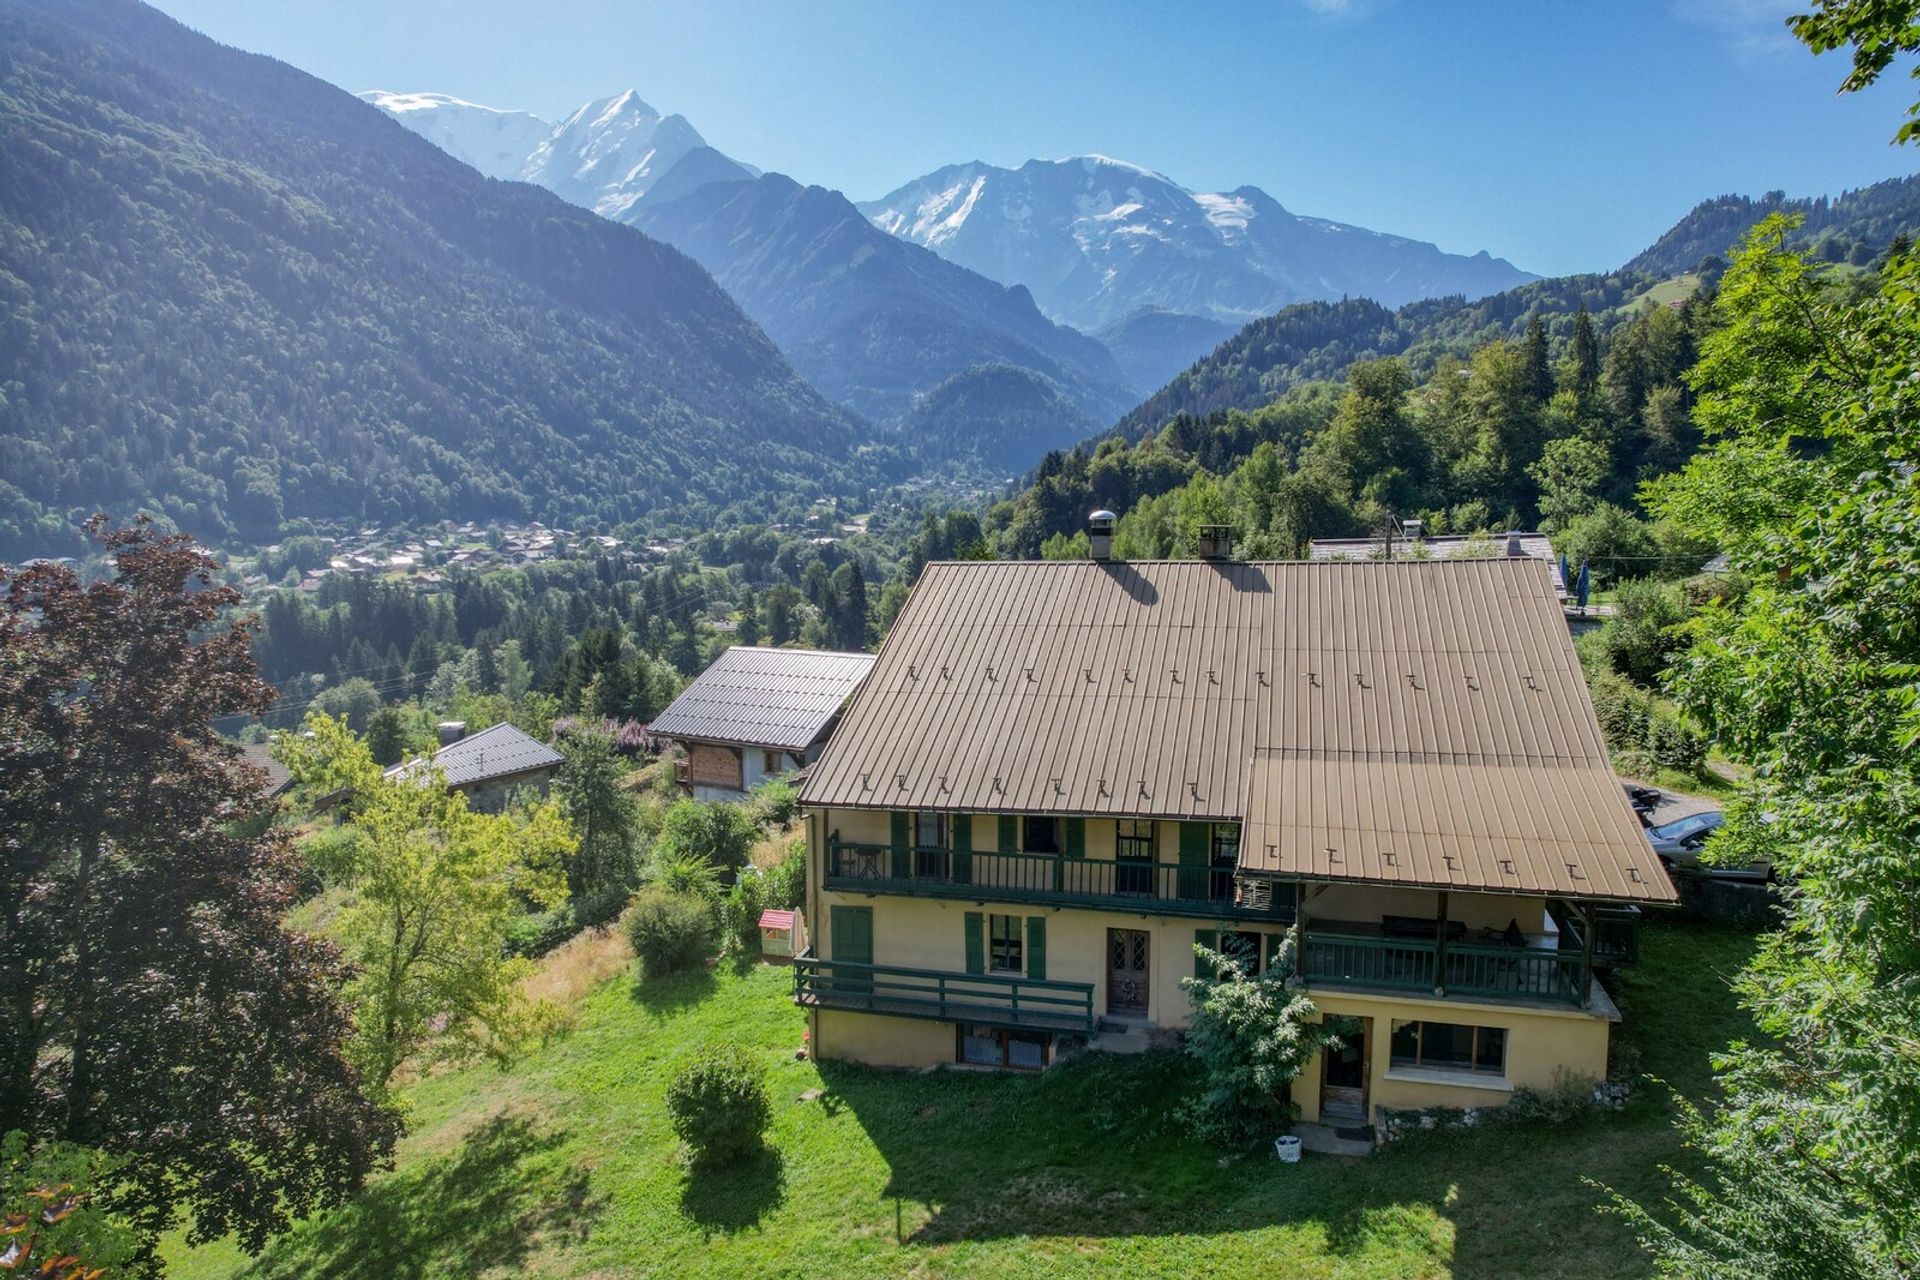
(1203, 890)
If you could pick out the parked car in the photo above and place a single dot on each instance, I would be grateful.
(1679, 844)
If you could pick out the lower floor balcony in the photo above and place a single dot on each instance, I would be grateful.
(986, 1000)
(1378, 957)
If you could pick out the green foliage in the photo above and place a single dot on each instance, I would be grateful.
(773, 805)
(387, 736)
(50, 1210)
(1570, 472)
(784, 885)
(1809, 679)
(436, 889)
(1569, 1097)
(1613, 542)
(740, 916)
(1642, 636)
(685, 874)
(717, 834)
(670, 931)
(1251, 1036)
(604, 813)
(719, 1104)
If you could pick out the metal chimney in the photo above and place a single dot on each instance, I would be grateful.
(1513, 544)
(1216, 542)
(1100, 534)
(451, 731)
(1416, 530)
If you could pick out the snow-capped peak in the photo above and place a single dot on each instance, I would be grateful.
(494, 141)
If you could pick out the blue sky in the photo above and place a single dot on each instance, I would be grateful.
(1562, 135)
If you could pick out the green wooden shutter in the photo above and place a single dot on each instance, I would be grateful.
(902, 854)
(1036, 947)
(1273, 947)
(1193, 859)
(1009, 833)
(1210, 939)
(1076, 837)
(963, 848)
(976, 943)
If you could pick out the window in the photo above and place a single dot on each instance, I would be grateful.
(1042, 835)
(930, 846)
(1133, 841)
(1004, 937)
(1223, 852)
(993, 1047)
(1242, 946)
(1447, 1046)
(770, 763)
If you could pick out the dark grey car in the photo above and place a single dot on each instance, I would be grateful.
(1679, 844)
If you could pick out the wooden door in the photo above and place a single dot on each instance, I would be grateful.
(1127, 970)
(852, 930)
(1343, 1077)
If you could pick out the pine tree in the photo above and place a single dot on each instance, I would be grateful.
(1539, 371)
(1585, 355)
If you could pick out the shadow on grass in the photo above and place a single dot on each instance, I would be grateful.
(481, 1209)
(671, 993)
(723, 1199)
(1095, 1148)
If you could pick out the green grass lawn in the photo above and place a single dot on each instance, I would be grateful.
(565, 1165)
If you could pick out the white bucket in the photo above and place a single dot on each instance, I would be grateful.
(1287, 1148)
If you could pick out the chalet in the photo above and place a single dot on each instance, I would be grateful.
(1061, 776)
(757, 714)
(1418, 545)
(490, 765)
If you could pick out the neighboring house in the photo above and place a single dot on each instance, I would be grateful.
(490, 765)
(1061, 776)
(1420, 546)
(279, 780)
(756, 714)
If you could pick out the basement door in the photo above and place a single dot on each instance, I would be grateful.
(1127, 962)
(1343, 1077)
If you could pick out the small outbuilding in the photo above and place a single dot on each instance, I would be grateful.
(757, 714)
(781, 933)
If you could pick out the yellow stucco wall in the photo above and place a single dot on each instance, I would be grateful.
(1538, 1042)
(928, 933)
(881, 1041)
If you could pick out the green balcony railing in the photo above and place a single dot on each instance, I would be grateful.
(1334, 958)
(993, 1000)
(1159, 888)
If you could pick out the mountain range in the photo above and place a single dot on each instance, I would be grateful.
(236, 296)
(1097, 239)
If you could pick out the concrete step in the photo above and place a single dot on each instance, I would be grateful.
(1326, 1141)
(1133, 1040)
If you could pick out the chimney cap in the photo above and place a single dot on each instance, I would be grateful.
(1102, 516)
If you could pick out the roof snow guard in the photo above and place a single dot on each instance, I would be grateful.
(1419, 722)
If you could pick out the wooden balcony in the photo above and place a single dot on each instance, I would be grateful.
(992, 1000)
(1352, 955)
(1044, 879)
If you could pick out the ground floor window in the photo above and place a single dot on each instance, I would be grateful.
(996, 1047)
(1004, 937)
(1450, 1046)
(1243, 946)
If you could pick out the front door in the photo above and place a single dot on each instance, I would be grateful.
(1127, 971)
(1343, 1077)
(852, 945)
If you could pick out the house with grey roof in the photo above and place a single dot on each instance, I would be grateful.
(489, 765)
(1419, 545)
(757, 714)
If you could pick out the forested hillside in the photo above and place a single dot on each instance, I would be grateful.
(1320, 339)
(1529, 431)
(235, 295)
(1853, 227)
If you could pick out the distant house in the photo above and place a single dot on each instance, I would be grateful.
(1451, 546)
(756, 714)
(279, 780)
(488, 766)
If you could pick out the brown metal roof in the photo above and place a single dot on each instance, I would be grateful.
(1441, 700)
(780, 698)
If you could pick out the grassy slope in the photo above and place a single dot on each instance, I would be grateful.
(565, 1165)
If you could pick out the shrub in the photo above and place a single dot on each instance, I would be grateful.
(783, 886)
(740, 917)
(1676, 744)
(773, 805)
(1251, 1037)
(1640, 638)
(669, 931)
(1569, 1097)
(719, 1104)
(716, 833)
(681, 874)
